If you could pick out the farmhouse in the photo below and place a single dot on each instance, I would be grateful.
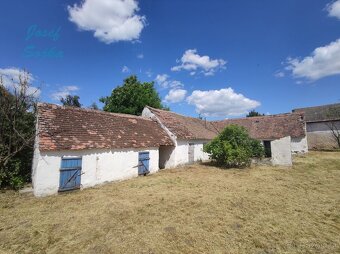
(273, 127)
(322, 123)
(281, 135)
(81, 147)
(78, 147)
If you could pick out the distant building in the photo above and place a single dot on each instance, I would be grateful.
(320, 121)
(281, 135)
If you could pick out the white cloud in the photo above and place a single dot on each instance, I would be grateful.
(63, 92)
(140, 56)
(175, 95)
(161, 78)
(193, 62)
(11, 78)
(125, 69)
(110, 20)
(223, 102)
(279, 74)
(334, 9)
(149, 73)
(164, 82)
(324, 61)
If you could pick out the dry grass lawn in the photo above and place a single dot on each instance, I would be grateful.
(193, 209)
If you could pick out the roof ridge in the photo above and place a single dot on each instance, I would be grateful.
(93, 110)
(261, 117)
(241, 118)
(320, 106)
(172, 112)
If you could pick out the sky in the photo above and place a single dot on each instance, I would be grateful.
(217, 58)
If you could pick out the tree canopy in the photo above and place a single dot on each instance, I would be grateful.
(94, 106)
(253, 113)
(17, 130)
(132, 97)
(71, 100)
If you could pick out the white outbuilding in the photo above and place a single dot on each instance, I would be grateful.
(282, 135)
(78, 148)
(189, 135)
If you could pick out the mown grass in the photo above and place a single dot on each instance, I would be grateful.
(193, 209)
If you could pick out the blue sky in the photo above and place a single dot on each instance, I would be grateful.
(219, 58)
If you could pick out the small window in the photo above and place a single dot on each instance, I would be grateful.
(267, 148)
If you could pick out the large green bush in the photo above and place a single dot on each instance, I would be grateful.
(233, 147)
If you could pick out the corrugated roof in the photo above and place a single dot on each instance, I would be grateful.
(269, 127)
(69, 128)
(321, 113)
(184, 127)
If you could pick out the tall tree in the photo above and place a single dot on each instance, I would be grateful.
(94, 106)
(71, 100)
(132, 97)
(17, 129)
(253, 113)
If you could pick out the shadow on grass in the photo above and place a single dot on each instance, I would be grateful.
(220, 166)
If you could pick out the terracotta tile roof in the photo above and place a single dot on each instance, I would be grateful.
(68, 128)
(184, 127)
(321, 113)
(269, 127)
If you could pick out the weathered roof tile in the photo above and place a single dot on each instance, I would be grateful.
(68, 128)
(321, 113)
(269, 127)
(185, 127)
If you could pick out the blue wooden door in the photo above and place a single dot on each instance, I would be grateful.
(143, 163)
(70, 173)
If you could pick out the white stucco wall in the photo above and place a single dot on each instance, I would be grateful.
(181, 152)
(167, 157)
(171, 157)
(299, 145)
(178, 155)
(98, 166)
(200, 155)
(281, 151)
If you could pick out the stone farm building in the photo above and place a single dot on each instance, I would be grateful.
(282, 134)
(321, 121)
(78, 148)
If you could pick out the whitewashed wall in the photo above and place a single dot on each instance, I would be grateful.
(299, 145)
(167, 157)
(98, 166)
(200, 155)
(281, 151)
(179, 155)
